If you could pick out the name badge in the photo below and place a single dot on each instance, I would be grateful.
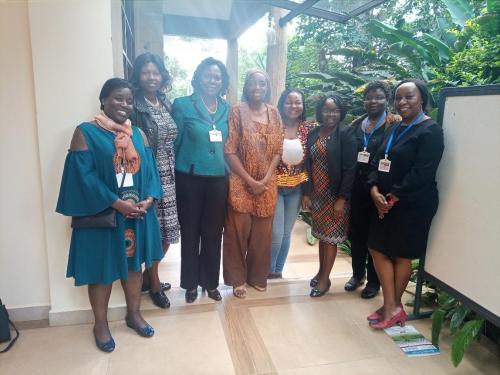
(384, 165)
(215, 135)
(129, 180)
(363, 157)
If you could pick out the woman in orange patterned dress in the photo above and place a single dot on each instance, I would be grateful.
(253, 151)
(331, 163)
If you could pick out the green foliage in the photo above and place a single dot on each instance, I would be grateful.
(445, 42)
(470, 331)
(464, 325)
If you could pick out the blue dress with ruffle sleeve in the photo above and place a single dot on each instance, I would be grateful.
(89, 186)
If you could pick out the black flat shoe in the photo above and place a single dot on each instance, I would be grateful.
(315, 292)
(146, 331)
(164, 287)
(160, 299)
(353, 284)
(370, 291)
(214, 294)
(106, 347)
(314, 282)
(191, 295)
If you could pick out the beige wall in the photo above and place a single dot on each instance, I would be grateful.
(55, 57)
(23, 255)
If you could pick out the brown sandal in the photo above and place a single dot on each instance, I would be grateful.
(258, 288)
(240, 291)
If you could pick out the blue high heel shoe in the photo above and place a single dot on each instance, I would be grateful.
(106, 347)
(146, 331)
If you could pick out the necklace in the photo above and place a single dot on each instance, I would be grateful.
(151, 103)
(208, 108)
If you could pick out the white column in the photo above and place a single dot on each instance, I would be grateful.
(72, 51)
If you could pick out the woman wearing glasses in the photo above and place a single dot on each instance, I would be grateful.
(331, 165)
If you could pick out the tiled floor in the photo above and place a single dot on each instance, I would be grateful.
(281, 331)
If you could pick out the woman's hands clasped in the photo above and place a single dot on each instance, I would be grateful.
(382, 203)
(131, 210)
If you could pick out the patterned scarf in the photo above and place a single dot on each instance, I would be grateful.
(125, 154)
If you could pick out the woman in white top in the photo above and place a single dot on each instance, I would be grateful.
(290, 176)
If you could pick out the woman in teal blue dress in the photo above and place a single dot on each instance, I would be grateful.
(110, 164)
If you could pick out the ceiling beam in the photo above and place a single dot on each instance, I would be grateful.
(300, 8)
(314, 12)
(366, 7)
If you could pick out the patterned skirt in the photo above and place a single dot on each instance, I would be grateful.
(327, 226)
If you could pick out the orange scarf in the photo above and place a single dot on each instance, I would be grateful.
(125, 154)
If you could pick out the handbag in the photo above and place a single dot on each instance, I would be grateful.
(5, 324)
(103, 219)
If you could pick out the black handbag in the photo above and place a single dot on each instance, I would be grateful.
(103, 219)
(5, 324)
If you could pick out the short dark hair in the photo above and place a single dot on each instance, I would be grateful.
(281, 102)
(209, 61)
(375, 85)
(321, 103)
(147, 58)
(422, 88)
(112, 84)
(248, 75)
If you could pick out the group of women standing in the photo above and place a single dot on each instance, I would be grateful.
(238, 177)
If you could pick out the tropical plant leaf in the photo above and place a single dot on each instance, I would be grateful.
(458, 317)
(407, 38)
(460, 10)
(464, 338)
(346, 247)
(311, 240)
(443, 50)
(493, 6)
(317, 75)
(437, 324)
(434, 114)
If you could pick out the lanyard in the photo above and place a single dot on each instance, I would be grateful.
(391, 138)
(377, 125)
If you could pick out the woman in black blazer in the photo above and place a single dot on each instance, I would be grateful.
(331, 163)
(403, 188)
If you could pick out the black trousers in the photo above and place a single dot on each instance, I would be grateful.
(201, 206)
(362, 209)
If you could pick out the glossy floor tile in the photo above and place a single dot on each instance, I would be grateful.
(279, 332)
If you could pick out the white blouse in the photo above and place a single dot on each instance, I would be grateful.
(292, 151)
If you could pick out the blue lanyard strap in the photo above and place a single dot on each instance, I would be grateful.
(391, 137)
(377, 125)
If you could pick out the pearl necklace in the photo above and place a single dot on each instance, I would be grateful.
(208, 108)
(151, 103)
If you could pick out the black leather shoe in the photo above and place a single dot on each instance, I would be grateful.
(164, 287)
(191, 295)
(353, 284)
(160, 299)
(370, 291)
(315, 292)
(314, 282)
(214, 294)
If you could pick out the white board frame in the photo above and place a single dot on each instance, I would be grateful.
(445, 262)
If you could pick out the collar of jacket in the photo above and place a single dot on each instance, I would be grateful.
(222, 107)
(140, 103)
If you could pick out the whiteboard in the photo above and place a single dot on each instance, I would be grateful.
(463, 251)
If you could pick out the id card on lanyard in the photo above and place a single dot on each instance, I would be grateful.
(215, 135)
(364, 156)
(384, 165)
